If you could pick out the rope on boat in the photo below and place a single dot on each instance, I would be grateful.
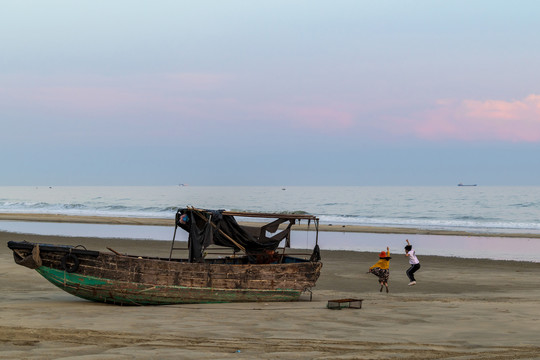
(66, 259)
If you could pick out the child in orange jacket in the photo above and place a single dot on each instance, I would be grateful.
(381, 268)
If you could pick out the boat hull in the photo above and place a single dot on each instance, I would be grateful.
(129, 293)
(132, 280)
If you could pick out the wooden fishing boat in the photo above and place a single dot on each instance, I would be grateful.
(257, 267)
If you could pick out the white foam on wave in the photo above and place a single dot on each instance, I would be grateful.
(481, 209)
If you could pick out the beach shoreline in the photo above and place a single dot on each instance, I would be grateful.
(460, 309)
(118, 220)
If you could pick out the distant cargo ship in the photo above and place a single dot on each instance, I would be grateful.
(462, 184)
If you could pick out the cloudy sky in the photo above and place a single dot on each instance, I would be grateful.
(280, 92)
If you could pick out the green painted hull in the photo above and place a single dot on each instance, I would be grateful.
(131, 293)
(136, 280)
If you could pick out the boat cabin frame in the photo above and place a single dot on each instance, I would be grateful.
(259, 241)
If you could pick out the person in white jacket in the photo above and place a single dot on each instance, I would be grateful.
(413, 260)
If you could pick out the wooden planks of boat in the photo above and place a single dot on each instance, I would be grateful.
(259, 274)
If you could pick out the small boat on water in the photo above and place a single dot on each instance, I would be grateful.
(462, 184)
(257, 268)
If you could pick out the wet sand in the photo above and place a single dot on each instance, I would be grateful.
(303, 226)
(460, 309)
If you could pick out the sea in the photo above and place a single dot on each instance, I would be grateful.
(480, 209)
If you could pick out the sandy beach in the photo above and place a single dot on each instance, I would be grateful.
(460, 309)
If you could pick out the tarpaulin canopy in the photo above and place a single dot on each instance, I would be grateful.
(219, 227)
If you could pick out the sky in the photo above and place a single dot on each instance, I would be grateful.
(280, 92)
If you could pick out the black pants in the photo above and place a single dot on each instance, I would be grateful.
(412, 270)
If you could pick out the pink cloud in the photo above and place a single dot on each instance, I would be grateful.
(110, 95)
(470, 120)
(152, 104)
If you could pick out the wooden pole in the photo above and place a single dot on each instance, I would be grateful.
(173, 238)
(114, 251)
